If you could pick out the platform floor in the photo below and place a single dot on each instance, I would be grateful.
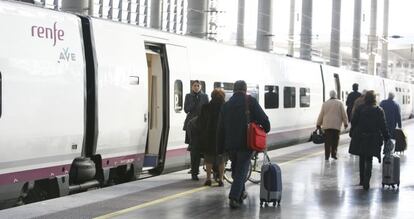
(312, 188)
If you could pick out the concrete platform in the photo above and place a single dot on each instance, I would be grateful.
(312, 188)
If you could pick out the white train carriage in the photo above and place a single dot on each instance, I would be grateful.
(85, 101)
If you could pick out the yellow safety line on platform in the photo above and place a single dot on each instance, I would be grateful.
(178, 195)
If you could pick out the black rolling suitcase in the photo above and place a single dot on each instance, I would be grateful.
(271, 183)
(400, 140)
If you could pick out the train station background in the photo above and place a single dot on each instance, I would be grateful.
(370, 36)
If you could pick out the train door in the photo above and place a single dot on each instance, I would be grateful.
(157, 112)
(338, 87)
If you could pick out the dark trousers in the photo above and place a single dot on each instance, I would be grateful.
(240, 161)
(365, 169)
(195, 160)
(331, 142)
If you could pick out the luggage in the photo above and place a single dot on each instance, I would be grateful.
(400, 140)
(318, 136)
(271, 183)
(391, 171)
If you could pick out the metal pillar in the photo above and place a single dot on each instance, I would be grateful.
(356, 41)
(155, 14)
(384, 58)
(197, 18)
(291, 49)
(372, 39)
(240, 23)
(264, 25)
(306, 31)
(335, 34)
(76, 6)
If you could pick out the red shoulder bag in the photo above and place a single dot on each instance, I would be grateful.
(256, 135)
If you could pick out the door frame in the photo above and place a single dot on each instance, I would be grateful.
(165, 89)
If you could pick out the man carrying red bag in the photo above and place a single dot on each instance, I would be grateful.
(232, 136)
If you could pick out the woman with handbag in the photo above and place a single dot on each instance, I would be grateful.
(368, 132)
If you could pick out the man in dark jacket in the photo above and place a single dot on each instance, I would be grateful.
(351, 100)
(192, 106)
(232, 135)
(392, 113)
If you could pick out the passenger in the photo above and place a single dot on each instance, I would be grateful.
(213, 153)
(368, 132)
(231, 133)
(192, 105)
(351, 100)
(358, 102)
(330, 118)
(392, 113)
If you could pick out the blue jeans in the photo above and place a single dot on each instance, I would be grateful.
(240, 161)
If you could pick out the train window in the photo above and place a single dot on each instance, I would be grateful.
(304, 97)
(396, 89)
(178, 96)
(253, 90)
(289, 96)
(271, 97)
(203, 85)
(227, 88)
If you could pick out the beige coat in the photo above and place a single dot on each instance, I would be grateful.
(332, 115)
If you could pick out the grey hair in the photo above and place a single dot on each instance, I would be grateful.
(391, 95)
(332, 94)
(364, 92)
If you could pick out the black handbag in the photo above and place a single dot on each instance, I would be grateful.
(318, 136)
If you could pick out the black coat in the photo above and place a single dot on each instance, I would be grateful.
(192, 105)
(368, 131)
(232, 126)
(207, 121)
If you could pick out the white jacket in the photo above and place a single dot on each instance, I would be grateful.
(332, 115)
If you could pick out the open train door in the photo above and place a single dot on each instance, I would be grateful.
(157, 107)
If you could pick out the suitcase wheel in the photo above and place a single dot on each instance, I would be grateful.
(274, 204)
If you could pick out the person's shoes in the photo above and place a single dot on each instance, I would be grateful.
(335, 157)
(361, 183)
(326, 159)
(194, 177)
(189, 172)
(220, 183)
(207, 183)
(216, 177)
(366, 186)
(244, 195)
(234, 204)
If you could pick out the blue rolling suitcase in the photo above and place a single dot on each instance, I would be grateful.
(271, 183)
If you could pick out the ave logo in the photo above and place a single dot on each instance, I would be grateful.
(67, 56)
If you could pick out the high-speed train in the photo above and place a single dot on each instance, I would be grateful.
(85, 102)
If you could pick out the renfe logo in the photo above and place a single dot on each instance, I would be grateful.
(48, 33)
